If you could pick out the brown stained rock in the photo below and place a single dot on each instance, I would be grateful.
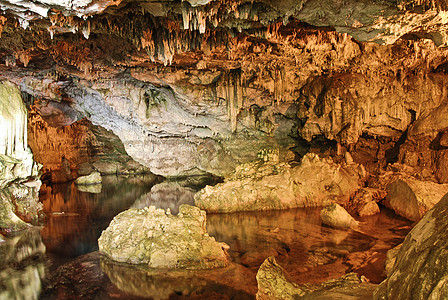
(412, 198)
(420, 270)
(267, 186)
(364, 202)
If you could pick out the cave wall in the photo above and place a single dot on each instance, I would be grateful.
(199, 87)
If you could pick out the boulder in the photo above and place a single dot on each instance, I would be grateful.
(154, 237)
(412, 198)
(93, 178)
(336, 216)
(364, 203)
(274, 283)
(266, 186)
(420, 270)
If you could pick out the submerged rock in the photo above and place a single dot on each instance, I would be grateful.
(335, 215)
(154, 237)
(420, 270)
(412, 198)
(93, 178)
(266, 186)
(274, 283)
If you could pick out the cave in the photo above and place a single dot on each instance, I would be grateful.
(223, 149)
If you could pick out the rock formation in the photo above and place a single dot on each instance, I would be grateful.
(412, 198)
(274, 283)
(156, 238)
(270, 185)
(19, 186)
(91, 179)
(335, 215)
(419, 271)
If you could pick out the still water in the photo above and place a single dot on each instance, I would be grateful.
(60, 260)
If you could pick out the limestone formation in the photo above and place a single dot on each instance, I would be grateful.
(274, 283)
(412, 198)
(16, 160)
(420, 271)
(335, 215)
(160, 240)
(93, 178)
(266, 186)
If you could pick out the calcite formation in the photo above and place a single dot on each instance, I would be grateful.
(160, 240)
(270, 185)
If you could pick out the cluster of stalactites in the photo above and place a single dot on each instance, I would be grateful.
(13, 121)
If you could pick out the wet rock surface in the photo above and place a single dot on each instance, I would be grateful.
(160, 240)
(419, 271)
(275, 283)
(267, 186)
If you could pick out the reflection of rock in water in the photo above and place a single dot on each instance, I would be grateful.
(144, 282)
(166, 195)
(16, 281)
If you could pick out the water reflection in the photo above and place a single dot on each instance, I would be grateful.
(166, 195)
(75, 218)
(310, 252)
(22, 267)
(164, 284)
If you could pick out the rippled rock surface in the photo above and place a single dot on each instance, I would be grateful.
(154, 237)
(420, 270)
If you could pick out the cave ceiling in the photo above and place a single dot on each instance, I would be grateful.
(115, 61)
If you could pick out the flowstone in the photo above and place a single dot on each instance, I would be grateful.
(154, 237)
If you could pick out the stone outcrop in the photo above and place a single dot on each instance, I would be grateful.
(420, 271)
(336, 216)
(274, 283)
(412, 198)
(151, 236)
(93, 178)
(270, 185)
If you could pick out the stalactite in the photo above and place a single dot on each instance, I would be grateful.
(234, 96)
(13, 122)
